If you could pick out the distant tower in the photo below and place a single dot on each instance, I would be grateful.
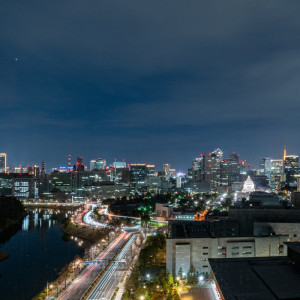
(69, 162)
(283, 158)
(43, 169)
(284, 154)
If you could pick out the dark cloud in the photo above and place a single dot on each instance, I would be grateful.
(148, 80)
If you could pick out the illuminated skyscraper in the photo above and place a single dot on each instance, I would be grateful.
(3, 159)
(265, 166)
(230, 170)
(138, 174)
(291, 162)
(207, 168)
(150, 170)
(98, 164)
(167, 170)
(219, 154)
(276, 175)
(291, 170)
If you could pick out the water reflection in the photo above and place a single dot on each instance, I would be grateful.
(42, 219)
(38, 252)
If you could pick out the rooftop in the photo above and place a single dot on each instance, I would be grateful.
(294, 246)
(257, 278)
(188, 229)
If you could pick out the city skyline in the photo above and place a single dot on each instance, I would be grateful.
(70, 161)
(149, 148)
(147, 81)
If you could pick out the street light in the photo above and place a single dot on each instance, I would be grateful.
(201, 278)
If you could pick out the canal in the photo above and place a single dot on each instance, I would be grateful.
(37, 251)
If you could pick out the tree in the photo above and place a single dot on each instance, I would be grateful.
(145, 218)
(176, 295)
(147, 295)
(180, 272)
(170, 280)
(192, 275)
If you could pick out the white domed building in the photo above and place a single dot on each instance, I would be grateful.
(248, 186)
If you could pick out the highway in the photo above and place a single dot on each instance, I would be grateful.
(81, 284)
(107, 285)
(88, 220)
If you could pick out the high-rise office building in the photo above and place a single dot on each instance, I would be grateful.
(291, 162)
(196, 169)
(265, 166)
(230, 170)
(150, 170)
(219, 154)
(138, 174)
(3, 161)
(291, 170)
(167, 168)
(121, 175)
(207, 168)
(98, 164)
(276, 175)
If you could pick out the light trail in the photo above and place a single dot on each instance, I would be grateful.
(83, 277)
(108, 283)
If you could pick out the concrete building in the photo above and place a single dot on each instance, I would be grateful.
(163, 210)
(193, 244)
(25, 188)
(154, 184)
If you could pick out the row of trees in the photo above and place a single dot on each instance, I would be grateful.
(149, 253)
(156, 286)
(162, 285)
(192, 275)
(12, 213)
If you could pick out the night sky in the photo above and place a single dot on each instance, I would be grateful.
(148, 81)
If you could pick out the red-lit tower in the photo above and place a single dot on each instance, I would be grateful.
(79, 164)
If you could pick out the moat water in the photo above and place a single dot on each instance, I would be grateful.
(37, 251)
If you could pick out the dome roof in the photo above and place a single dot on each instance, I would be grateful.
(248, 186)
